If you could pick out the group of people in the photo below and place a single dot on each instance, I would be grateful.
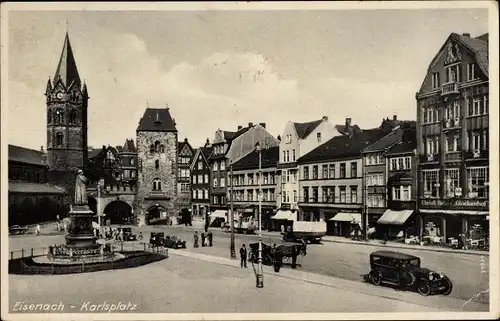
(206, 239)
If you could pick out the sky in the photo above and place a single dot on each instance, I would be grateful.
(221, 69)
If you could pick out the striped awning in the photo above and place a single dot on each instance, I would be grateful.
(391, 217)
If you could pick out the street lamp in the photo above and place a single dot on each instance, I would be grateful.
(260, 273)
(232, 249)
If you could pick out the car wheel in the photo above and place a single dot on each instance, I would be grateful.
(424, 288)
(449, 286)
(376, 278)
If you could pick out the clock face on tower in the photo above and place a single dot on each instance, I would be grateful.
(59, 95)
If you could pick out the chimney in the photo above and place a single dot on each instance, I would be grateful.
(395, 117)
(239, 128)
(185, 140)
(41, 149)
(325, 118)
(348, 122)
(263, 124)
(279, 138)
(207, 143)
(466, 34)
(250, 124)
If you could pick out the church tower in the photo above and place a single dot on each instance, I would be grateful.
(66, 115)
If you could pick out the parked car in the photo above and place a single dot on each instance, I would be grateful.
(403, 270)
(128, 235)
(157, 239)
(174, 242)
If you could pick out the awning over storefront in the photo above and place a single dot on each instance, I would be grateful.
(347, 217)
(218, 213)
(391, 217)
(282, 215)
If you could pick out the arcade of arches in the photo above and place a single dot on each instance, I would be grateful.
(118, 212)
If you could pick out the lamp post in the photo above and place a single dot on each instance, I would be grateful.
(260, 273)
(232, 249)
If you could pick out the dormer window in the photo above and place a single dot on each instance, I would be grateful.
(435, 80)
(318, 136)
(471, 72)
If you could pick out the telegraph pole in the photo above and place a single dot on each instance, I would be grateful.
(231, 216)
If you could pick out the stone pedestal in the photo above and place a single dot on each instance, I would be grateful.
(81, 232)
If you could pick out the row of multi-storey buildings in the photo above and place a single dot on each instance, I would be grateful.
(429, 177)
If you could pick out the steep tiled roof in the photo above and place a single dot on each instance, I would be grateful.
(270, 158)
(304, 129)
(343, 146)
(66, 69)
(343, 129)
(157, 120)
(479, 47)
(34, 188)
(386, 141)
(26, 155)
(206, 151)
(229, 135)
(405, 146)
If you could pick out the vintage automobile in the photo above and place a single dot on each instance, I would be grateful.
(174, 242)
(128, 235)
(403, 270)
(157, 239)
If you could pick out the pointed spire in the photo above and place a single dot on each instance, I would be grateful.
(66, 69)
(49, 87)
(85, 93)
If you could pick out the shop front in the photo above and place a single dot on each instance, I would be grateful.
(444, 221)
(283, 219)
(399, 221)
(344, 224)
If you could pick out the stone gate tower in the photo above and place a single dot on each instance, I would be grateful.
(66, 101)
(156, 199)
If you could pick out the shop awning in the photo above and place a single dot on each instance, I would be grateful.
(218, 213)
(391, 217)
(347, 217)
(282, 215)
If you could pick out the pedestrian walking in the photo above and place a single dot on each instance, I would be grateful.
(195, 238)
(282, 229)
(277, 259)
(294, 257)
(37, 229)
(243, 256)
(210, 239)
(120, 235)
(202, 239)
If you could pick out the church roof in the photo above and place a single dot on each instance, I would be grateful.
(66, 69)
(157, 120)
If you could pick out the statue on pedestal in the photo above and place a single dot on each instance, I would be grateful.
(81, 189)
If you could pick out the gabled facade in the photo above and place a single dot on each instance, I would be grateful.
(184, 160)
(228, 148)
(453, 138)
(297, 140)
(200, 181)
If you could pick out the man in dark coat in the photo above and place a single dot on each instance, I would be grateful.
(210, 238)
(196, 239)
(277, 259)
(243, 256)
(202, 239)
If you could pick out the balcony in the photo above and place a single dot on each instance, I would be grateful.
(453, 156)
(449, 89)
(476, 155)
(451, 124)
(429, 158)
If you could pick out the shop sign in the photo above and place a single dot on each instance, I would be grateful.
(468, 204)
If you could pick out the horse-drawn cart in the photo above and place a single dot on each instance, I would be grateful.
(286, 249)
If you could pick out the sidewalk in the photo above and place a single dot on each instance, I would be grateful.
(346, 287)
(339, 239)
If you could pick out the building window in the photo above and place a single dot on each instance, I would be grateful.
(314, 198)
(284, 156)
(332, 170)
(295, 196)
(194, 180)
(430, 115)
(401, 193)
(222, 165)
(453, 74)
(59, 116)
(288, 138)
(306, 172)
(375, 180)
(195, 194)
(478, 106)
(435, 80)
(284, 196)
(216, 166)
(354, 169)
(156, 184)
(451, 180)
(306, 194)
(73, 116)
(215, 182)
(453, 143)
(293, 155)
(330, 198)
(324, 171)
(157, 146)
(59, 139)
(432, 144)
(205, 194)
(132, 161)
(287, 155)
(342, 190)
(471, 72)
(200, 165)
(431, 183)
(375, 201)
(222, 182)
(315, 172)
(205, 180)
(318, 136)
(157, 164)
(215, 199)
(354, 194)
(342, 170)
(185, 188)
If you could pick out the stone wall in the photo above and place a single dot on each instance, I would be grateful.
(147, 172)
